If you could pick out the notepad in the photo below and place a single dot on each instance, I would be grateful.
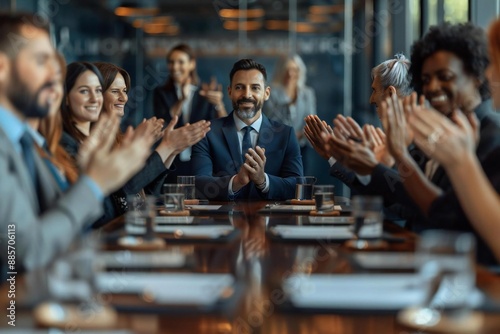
(171, 288)
(134, 259)
(174, 220)
(364, 291)
(198, 231)
(330, 220)
(204, 207)
(323, 232)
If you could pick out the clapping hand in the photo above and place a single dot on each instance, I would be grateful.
(448, 141)
(313, 129)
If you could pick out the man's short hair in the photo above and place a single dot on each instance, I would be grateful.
(465, 40)
(10, 30)
(395, 72)
(246, 65)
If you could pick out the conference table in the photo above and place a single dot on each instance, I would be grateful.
(262, 278)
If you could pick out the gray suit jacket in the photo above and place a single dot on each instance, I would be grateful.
(277, 108)
(45, 226)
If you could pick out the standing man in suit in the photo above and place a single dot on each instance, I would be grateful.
(231, 162)
(33, 208)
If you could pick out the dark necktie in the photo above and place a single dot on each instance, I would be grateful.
(247, 141)
(26, 142)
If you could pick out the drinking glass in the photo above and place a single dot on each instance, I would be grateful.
(367, 212)
(445, 262)
(324, 198)
(187, 184)
(141, 214)
(173, 197)
(453, 253)
(304, 187)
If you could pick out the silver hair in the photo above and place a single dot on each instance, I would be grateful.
(281, 69)
(395, 72)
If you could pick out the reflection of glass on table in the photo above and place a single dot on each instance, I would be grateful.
(368, 216)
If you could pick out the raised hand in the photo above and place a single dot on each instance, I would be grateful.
(153, 125)
(376, 140)
(355, 156)
(111, 167)
(255, 163)
(175, 141)
(313, 129)
(395, 125)
(187, 135)
(214, 95)
(347, 127)
(447, 141)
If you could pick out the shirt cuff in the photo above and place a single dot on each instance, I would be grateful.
(230, 191)
(332, 161)
(266, 189)
(93, 187)
(364, 179)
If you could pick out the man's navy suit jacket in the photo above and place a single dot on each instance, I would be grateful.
(217, 157)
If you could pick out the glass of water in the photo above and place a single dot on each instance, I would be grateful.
(141, 214)
(367, 213)
(324, 198)
(187, 184)
(173, 198)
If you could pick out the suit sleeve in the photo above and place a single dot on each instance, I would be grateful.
(150, 177)
(212, 188)
(282, 184)
(41, 237)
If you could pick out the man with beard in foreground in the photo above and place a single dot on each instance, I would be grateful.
(245, 155)
(38, 220)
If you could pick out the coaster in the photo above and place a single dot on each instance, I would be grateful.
(191, 202)
(139, 243)
(440, 322)
(75, 316)
(302, 202)
(325, 214)
(174, 213)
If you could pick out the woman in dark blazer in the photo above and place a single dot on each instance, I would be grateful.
(184, 96)
(111, 84)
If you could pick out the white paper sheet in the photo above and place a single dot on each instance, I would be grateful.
(136, 259)
(364, 291)
(174, 220)
(168, 288)
(330, 220)
(202, 231)
(204, 207)
(305, 208)
(323, 232)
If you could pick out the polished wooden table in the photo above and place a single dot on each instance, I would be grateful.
(260, 264)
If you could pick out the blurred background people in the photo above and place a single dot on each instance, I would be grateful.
(184, 96)
(291, 101)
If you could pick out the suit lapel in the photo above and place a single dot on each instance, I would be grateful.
(264, 140)
(231, 137)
